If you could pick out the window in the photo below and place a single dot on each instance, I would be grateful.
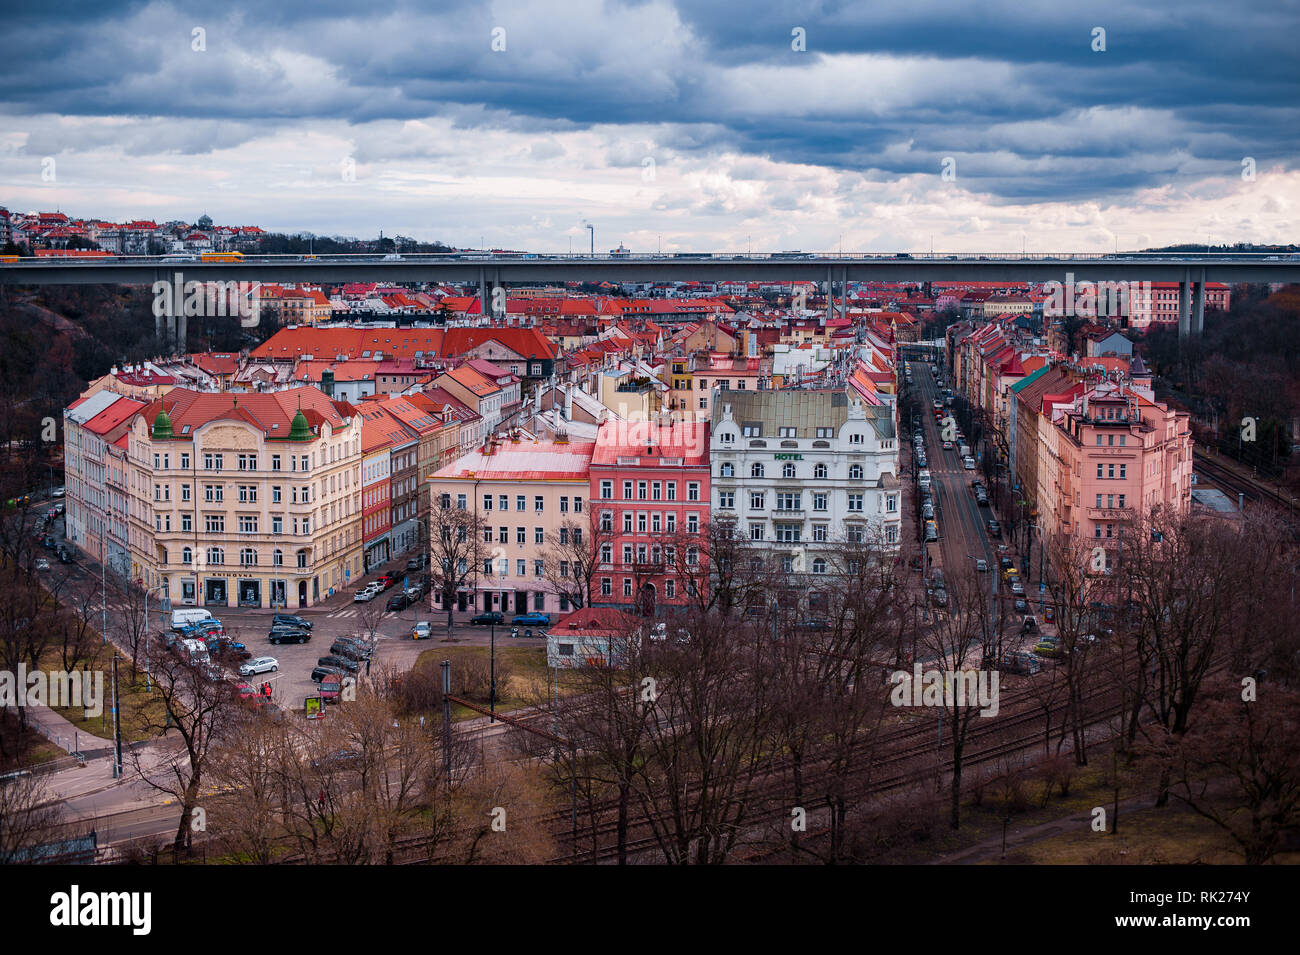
(487, 535)
(213, 493)
(247, 494)
(672, 490)
(627, 586)
(891, 503)
(1110, 471)
(786, 432)
(670, 588)
(756, 471)
(461, 502)
(627, 490)
(606, 489)
(538, 503)
(247, 524)
(606, 586)
(216, 555)
(503, 535)
(564, 535)
(185, 460)
(692, 556)
(692, 523)
(755, 501)
(820, 533)
(655, 523)
(788, 501)
(1121, 500)
(607, 521)
(855, 502)
(640, 490)
(214, 523)
(756, 532)
(275, 462)
(248, 462)
(277, 558)
(606, 553)
(787, 470)
(521, 567)
(728, 470)
(693, 491)
(855, 472)
(1099, 470)
(1123, 471)
(656, 490)
(487, 502)
(521, 535)
(857, 439)
(726, 499)
(789, 533)
(539, 568)
(187, 524)
(825, 432)
(1122, 440)
(672, 522)
(187, 555)
(1099, 500)
(247, 557)
(752, 430)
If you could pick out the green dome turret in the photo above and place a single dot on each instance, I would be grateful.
(299, 429)
(162, 425)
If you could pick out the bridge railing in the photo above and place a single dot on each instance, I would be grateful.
(828, 258)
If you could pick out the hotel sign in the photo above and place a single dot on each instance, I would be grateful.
(788, 457)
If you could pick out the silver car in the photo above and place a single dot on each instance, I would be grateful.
(259, 665)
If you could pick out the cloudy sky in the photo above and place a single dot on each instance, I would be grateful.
(872, 125)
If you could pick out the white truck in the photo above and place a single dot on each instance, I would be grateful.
(184, 617)
(963, 451)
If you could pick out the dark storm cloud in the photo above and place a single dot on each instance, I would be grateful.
(1012, 90)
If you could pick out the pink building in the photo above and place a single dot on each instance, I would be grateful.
(650, 496)
(1109, 457)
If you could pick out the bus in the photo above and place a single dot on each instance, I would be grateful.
(221, 256)
(8, 259)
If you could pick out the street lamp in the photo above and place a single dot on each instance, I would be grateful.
(492, 690)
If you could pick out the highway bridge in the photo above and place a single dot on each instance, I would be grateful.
(495, 269)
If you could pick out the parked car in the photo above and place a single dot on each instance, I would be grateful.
(1018, 661)
(1021, 606)
(292, 620)
(386, 581)
(1017, 587)
(418, 563)
(982, 566)
(398, 602)
(422, 630)
(489, 618)
(42, 563)
(331, 689)
(947, 445)
(324, 673)
(535, 619)
(58, 492)
(364, 648)
(968, 463)
(931, 531)
(365, 594)
(995, 529)
(259, 665)
(49, 543)
(64, 556)
(814, 623)
(341, 662)
(927, 510)
(283, 634)
(345, 648)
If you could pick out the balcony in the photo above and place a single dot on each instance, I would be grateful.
(1110, 513)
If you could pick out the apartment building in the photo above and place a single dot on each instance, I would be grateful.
(245, 500)
(525, 491)
(800, 470)
(96, 509)
(650, 496)
(1109, 457)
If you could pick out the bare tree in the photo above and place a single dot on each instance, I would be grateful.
(456, 550)
(201, 710)
(572, 562)
(1238, 766)
(27, 815)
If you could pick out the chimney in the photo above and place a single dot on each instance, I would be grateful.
(1241, 501)
(568, 403)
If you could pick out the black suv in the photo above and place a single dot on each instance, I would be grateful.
(281, 634)
(346, 648)
(323, 672)
(291, 620)
(485, 619)
(338, 662)
(398, 602)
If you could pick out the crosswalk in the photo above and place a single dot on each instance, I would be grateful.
(353, 612)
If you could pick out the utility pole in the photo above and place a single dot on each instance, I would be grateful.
(492, 691)
(446, 719)
(117, 726)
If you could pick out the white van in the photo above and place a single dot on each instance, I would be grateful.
(183, 618)
(968, 463)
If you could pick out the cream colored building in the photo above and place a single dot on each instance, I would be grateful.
(245, 500)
